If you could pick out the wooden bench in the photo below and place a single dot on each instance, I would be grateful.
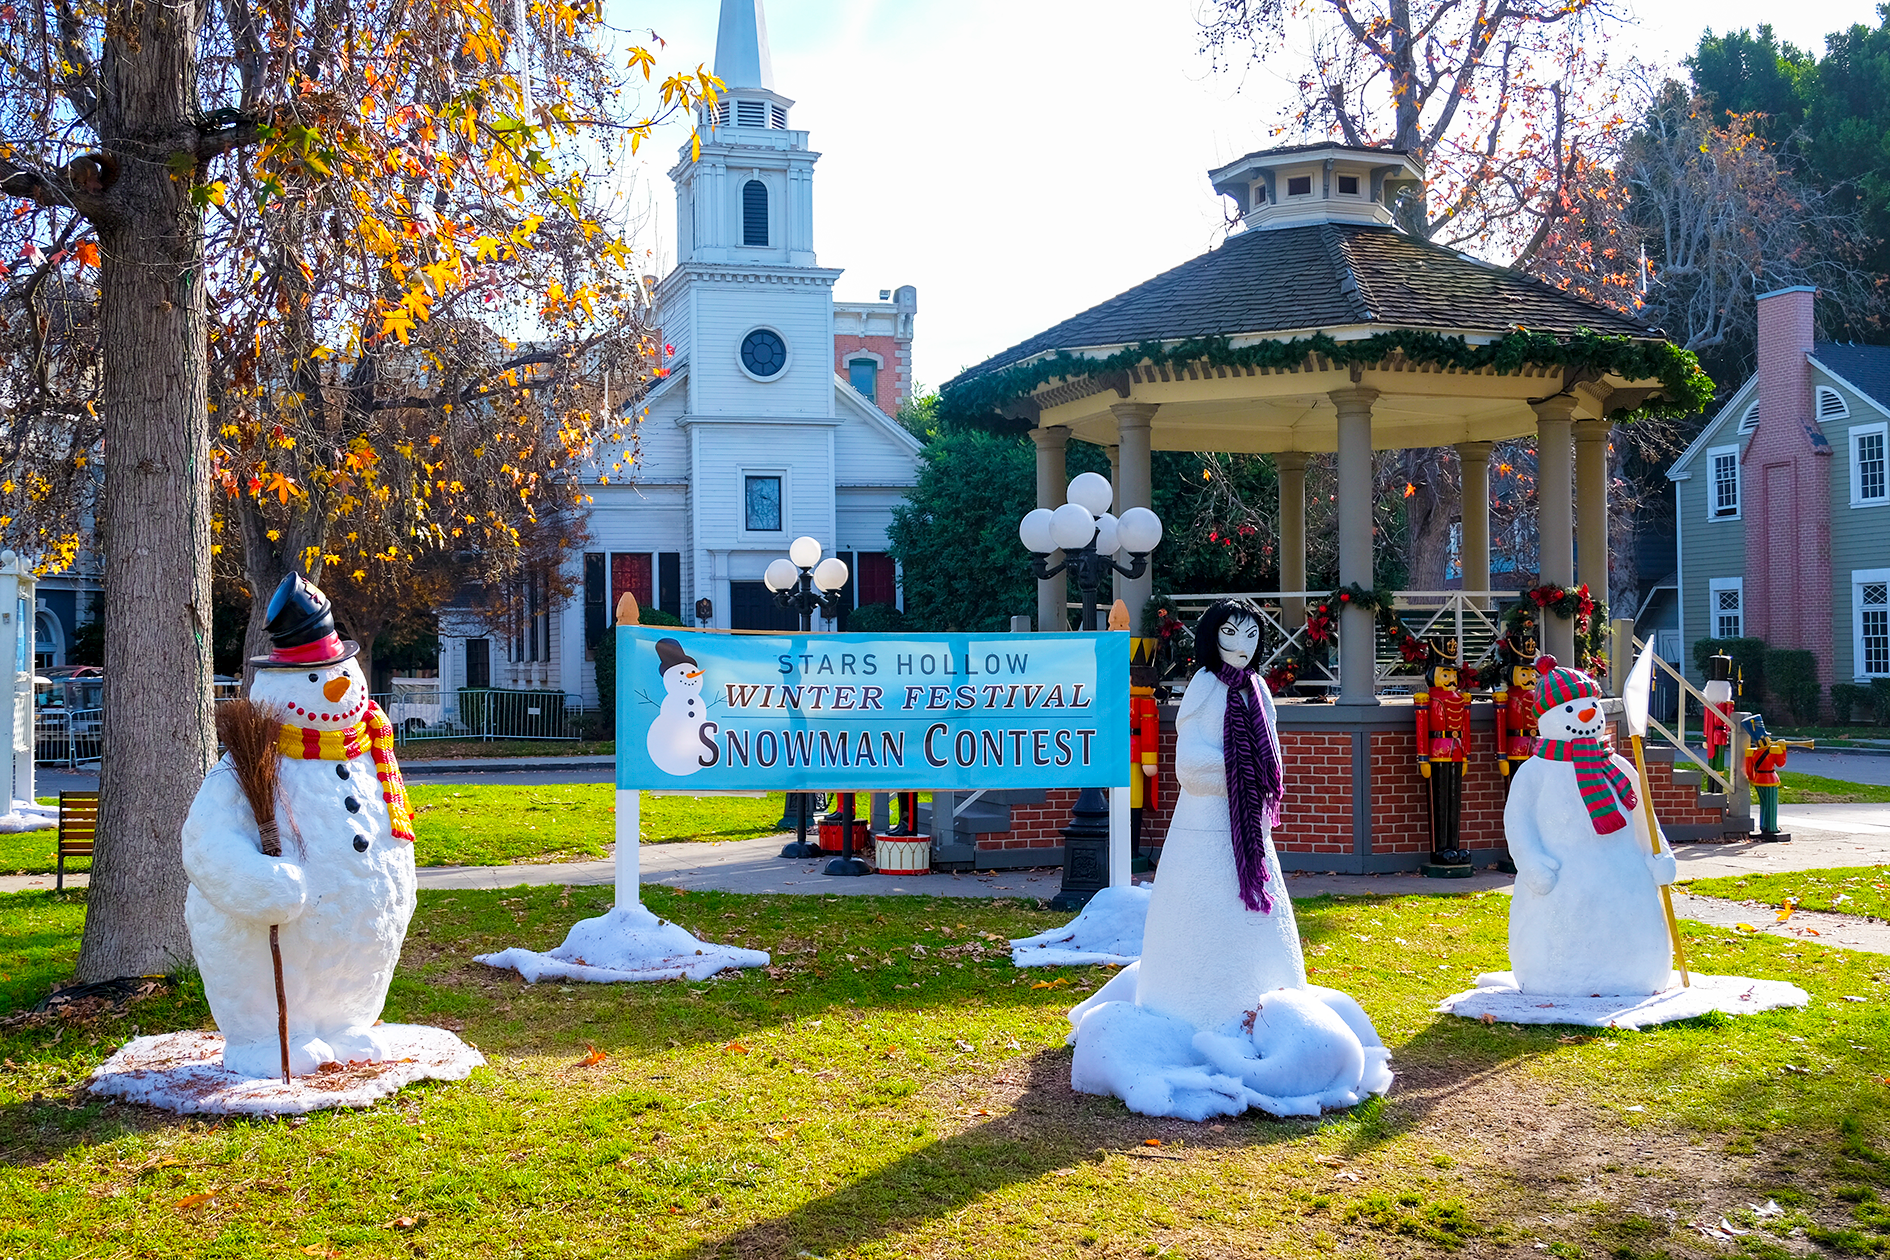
(78, 829)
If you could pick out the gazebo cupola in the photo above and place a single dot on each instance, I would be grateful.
(1317, 183)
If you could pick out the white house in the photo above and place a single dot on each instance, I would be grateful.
(772, 421)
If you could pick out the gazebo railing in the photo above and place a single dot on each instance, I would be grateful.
(1473, 618)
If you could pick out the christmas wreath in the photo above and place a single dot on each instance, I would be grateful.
(1575, 603)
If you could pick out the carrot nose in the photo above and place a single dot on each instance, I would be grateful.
(336, 688)
(1586, 715)
(694, 673)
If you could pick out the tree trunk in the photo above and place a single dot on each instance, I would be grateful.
(155, 519)
(1428, 511)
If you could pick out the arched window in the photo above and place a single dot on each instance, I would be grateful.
(754, 213)
(863, 374)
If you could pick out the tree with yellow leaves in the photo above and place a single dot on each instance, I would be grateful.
(368, 173)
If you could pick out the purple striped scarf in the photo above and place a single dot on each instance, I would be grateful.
(1255, 781)
(1596, 776)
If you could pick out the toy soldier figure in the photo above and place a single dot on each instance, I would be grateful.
(1719, 709)
(1145, 737)
(1764, 759)
(1515, 705)
(1443, 741)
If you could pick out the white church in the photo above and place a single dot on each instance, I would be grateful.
(773, 421)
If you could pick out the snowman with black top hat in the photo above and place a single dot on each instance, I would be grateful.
(337, 893)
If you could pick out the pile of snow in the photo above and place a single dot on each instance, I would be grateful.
(629, 943)
(28, 816)
(1109, 930)
(1298, 1053)
(184, 1072)
(1498, 997)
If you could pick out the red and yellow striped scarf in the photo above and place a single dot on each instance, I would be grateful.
(1598, 779)
(374, 735)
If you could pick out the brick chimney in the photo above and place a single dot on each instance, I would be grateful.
(1785, 489)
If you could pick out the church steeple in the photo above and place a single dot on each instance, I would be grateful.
(741, 46)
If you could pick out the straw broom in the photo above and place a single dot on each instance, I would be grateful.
(250, 731)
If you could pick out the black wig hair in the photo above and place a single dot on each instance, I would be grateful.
(1207, 647)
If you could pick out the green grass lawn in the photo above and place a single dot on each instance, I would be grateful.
(1846, 889)
(495, 824)
(893, 1087)
(445, 749)
(1811, 789)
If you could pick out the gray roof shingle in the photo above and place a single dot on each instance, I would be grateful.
(1867, 367)
(1321, 276)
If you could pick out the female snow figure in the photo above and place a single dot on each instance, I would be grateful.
(1586, 915)
(343, 888)
(1217, 1016)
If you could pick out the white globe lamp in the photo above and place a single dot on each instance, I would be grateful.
(1072, 526)
(1093, 491)
(804, 552)
(1034, 530)
(830, 574)
(781, 576)
(1139, 530)
(1108, 543)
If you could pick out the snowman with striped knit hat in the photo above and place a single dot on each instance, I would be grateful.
(342, 888)
(1586, 917)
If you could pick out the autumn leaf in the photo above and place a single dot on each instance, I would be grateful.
(196, 1200)
(402, 1222)
(1151, 1141)
(736, 1047)
(593, 1058)
(87, 253)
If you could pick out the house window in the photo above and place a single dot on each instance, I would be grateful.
(1348, 185)
(1259, 193)
(754, 213)
(1868, 449)
(1722, 494)
(1725, 607)
(1299, 186)
(479, 662)
(761, 504)
(1870, 590)
(863, 375)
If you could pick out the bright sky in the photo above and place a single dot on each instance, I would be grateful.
(1021, 160)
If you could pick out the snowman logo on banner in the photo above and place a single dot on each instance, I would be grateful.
(682, 734)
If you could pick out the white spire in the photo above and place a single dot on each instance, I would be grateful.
(741, 46)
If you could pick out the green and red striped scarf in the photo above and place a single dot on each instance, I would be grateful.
(1598, 778)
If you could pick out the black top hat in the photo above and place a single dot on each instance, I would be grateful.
(671, 653)
(1719, 668)
(302, 628)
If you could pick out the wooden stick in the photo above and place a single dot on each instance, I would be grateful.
(1666, 891)
(272, 847)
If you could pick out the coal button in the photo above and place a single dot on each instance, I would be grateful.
(360, 844)
(341, 770)
(354, 806)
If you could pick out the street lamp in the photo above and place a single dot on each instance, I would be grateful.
(1090, 538)
(803, 582)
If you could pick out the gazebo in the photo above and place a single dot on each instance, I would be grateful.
(1322, 326)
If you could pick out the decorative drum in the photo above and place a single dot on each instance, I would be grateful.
(903, 855)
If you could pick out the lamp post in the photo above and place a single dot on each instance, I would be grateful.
(1091, 538)
(802, 582)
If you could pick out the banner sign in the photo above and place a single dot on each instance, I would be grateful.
(863, 712)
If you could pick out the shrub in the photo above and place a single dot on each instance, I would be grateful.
(1748, 657)
(1792, 675)
(657, 617)
(1845, 698)
(876, 619)
(1880, 699)
(604, 655)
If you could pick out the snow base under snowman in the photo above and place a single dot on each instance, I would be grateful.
(1303, 1051)
(629, 943)
(1108, 930)
(184, 1072)
(1498, 999)
(28, 816)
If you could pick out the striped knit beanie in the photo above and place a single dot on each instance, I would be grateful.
(1555, 685)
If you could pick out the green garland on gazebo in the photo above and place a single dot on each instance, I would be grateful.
(1574, 603)
(1322, 630)
(1685, 388)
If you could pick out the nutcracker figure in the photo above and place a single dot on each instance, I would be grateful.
(1515, 704)
(1145, 737)
(1443, 742)
(1719, 709)
(1765, 757)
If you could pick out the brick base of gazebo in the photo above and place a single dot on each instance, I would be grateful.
(1355, 802)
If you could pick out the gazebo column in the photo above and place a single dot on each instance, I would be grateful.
(1553, 504)
(1291, 466)
(1052, 593)
(1591, 505)
(1473, 458)
(1357, 633)
(1135, 487)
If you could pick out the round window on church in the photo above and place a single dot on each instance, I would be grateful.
(764, 354)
